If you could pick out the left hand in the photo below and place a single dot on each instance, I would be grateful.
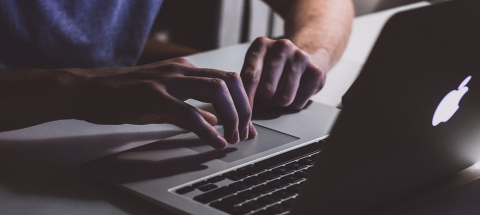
(278, 73)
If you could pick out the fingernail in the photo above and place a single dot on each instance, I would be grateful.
(253, 131)
(236, 137)
(222, 143)
(245, 133)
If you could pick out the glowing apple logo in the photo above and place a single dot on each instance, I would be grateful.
(449, 105)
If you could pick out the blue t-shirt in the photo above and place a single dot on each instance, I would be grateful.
(74, 33)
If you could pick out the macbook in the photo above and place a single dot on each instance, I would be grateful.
(409, 121)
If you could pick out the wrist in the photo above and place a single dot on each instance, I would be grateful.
(320, 54)
(323, 59)
(72, 84)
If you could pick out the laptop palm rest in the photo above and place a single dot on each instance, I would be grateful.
(267, 139)
(149, 161)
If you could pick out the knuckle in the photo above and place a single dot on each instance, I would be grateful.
(301, 56)
(258, 46)
(318, 73)
(250, 75)
(319, 77)
(248, 111)
(219, 84)
(284, 44)
(173, 67)
(182, 60)
(284, 100)
(148, 86)
(233, 77)
(254, 55)
(267, 90)
(281, 48)
(260, 41)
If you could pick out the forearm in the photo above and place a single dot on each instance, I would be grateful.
(320, 27)
(31, 97)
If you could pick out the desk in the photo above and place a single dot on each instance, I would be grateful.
(39, 166)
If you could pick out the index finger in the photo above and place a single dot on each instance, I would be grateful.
(253, 66)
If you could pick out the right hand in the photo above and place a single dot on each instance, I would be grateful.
(155, 93)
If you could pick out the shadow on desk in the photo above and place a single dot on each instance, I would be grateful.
(51, 167)
(149, 161)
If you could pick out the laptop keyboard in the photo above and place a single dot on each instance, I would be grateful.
(267, 187)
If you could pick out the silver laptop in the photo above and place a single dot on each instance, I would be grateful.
(405, 78)
(188, 176)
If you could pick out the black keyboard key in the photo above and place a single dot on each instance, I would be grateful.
(269, 199)
(240, 210)
(284, 193)
(185, 190)
(207, 187)
(250, 194)
(289, 202)
(294, 188)
(235, 175)
(264, 189)
(256, 180)
(220, 205)
(262, 203)
(214, 194)
(291, 179)
(234, 200)
(216, 179)
(278, 209)
(199, 184)
(251, 170)
(240, 185)
(288, 156)
(277, 184)
(296, 165)
(269, 175)
(307, 161)
(301, 174)
(283, 170)
(254, 205)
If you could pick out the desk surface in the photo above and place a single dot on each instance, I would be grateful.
(39, 166)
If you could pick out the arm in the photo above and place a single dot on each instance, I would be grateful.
(288, 72)
(153, 93)
(319, 27)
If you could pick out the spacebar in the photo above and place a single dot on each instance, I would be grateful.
(288, 156)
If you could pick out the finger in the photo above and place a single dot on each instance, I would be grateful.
(237, 92)
(209, 117)
(290, 81)
(188, 117)
(311, 82)
(273, 66)
(253, 66)
(211, 90)
(253, 132)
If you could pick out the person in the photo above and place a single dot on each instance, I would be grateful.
(76, 59)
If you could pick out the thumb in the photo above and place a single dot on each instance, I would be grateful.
(209, 117)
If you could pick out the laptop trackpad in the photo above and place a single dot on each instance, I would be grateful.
(266, 139)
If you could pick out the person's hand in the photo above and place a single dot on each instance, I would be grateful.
(155, 93)
(278, 73)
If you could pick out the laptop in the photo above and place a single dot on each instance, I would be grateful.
(411, 120)
(383, 147)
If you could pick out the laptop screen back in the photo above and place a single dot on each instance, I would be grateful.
(386, 144)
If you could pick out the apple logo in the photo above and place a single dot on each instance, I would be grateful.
(449, 104)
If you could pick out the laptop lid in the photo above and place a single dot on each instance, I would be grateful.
(411, 118)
